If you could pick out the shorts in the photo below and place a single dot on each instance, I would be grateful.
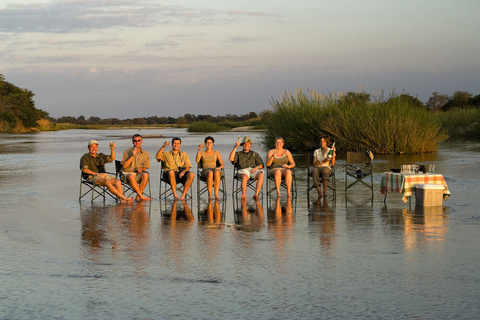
(271, 173)
(94, 179)
(248, 172)
(177, 177)
(123, 176)
(204, 173)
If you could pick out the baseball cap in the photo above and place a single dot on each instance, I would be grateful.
(92, 142)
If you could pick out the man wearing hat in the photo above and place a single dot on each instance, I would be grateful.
(249, 165)
(92, 165)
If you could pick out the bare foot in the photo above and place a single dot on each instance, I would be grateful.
(244, 197)
(255, 197)
(145, 199)
(127, 200)
(279, 194)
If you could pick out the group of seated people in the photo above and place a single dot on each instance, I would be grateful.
(176, 167)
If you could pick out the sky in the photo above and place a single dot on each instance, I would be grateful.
(126, 59)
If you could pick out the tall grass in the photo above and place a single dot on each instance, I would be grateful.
(382, 126)
(463, 123)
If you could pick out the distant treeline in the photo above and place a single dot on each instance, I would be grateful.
(154, 120)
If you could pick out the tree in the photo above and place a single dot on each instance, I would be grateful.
(437, 101)
(460, 99)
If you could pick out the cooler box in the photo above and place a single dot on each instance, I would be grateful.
(429, 195)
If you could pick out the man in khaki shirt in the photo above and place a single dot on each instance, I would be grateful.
(176, 166)
(135, 162)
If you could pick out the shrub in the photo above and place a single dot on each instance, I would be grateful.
(204, 126)
(463, 123)
(382, 126)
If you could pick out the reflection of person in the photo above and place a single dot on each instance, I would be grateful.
(280, 161)
(322, 166)
(212, 213)
(209, 159)
(250, 219)
(250, 166)
(176, 166)
(92, 165)
(135, 162)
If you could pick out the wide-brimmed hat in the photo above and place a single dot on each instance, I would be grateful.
(245, 140)
(92, 142)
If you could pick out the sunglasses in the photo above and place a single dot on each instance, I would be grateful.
(137, 140)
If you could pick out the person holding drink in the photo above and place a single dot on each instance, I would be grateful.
(211, 162)
(280, 161)
(92, 165)
(323, 160)
(135, 162)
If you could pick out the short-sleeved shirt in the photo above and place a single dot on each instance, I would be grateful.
(96, 164)
(248, 159)
(141, 159)
(172, 161)
(320, 156)
(209, 161)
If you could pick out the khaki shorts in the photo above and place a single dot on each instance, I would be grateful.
(94, 179)
(123, 177)
(248, 172)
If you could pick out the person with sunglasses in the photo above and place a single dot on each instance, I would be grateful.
(135, 162)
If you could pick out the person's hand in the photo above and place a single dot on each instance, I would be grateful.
(165, 144)
(200, 146)
(134, 151)
(181, 174)
(238, 143)
(254, 169)
(112, 145)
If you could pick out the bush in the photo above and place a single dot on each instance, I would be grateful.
(463, 123)
(382, 126)
(204, 126)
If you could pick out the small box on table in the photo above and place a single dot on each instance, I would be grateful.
(429, 195)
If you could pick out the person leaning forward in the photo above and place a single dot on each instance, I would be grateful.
(176, 166)
(135, 162)
(249, 165)
(92, 165)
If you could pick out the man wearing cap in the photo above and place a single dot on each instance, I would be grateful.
(92, 165)
(249, 165)
(135, 162)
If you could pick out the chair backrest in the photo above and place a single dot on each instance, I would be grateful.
(358, 158)
(118, 166)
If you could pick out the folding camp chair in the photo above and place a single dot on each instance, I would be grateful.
(167, 189)
(331, 184)
(127, 188)
(359, 166)
(237, 184)
(93, 188)
(200, 179)
(271, 187)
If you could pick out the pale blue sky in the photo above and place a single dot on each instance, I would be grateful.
(125, 59)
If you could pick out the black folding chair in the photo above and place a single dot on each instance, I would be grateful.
(332, 185)
(200, 179)
(93, 188)
(127, 188)
(237, 184)
(271, 187)
(359, 167)
(167, 189)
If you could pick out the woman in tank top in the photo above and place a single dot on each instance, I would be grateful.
(211, 162)
(280, 162)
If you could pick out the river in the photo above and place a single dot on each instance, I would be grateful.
(345, 258)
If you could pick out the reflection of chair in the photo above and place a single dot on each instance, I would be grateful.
(201, 191)
(271, 187)
(331, 184)
(237, 184)
(167, 189)
(359, 166)
(93, 188)
(127, 189)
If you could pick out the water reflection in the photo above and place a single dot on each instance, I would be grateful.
(418, 227)
(322, 217)
(212, 214)
(248, 217)
(121, 226)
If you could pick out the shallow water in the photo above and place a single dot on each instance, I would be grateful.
(344, 258)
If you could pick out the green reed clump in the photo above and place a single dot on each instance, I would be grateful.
(463, 123)
(205, 126)
(382, 126)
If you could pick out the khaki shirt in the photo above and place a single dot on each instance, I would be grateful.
(141, 160)
(171, 161)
